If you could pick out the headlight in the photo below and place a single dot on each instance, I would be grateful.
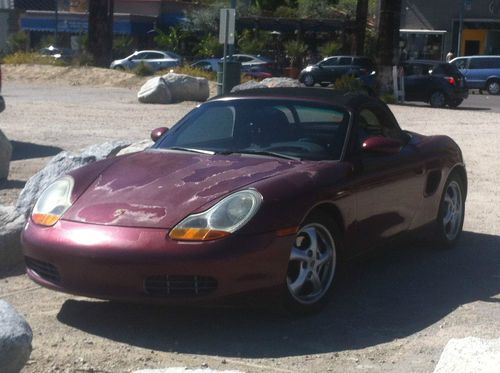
(224, 218)
(53, 202)
(308, 68)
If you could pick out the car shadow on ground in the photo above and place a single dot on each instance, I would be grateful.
(378, 299)
(12, 184)
(26, 150)
(427, 106)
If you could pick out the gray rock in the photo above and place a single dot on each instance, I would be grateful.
(187, 88)
(470, 354)
(15, 339)
(61, 164)
(5, 155)
(268, 83)
(11, 225)
(155, 91)
(136, 147)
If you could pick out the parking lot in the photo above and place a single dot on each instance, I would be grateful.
(393, 312)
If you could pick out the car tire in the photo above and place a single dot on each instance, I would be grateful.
(309, 80)
(455, 102)
(493, 87)
(437, 99)
(120, 68)
(324, 84)
(312, 265)
(451, 213)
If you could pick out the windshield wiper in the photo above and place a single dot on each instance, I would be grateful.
(192, 150)
(261, 152)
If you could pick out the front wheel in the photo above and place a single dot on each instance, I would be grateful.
(451, 212)
(493, 87)
(312, 265)
(309, 80)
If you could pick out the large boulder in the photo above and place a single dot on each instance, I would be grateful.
(187, 88)
(268, 83)
(61, 164)
(172, 88)
(155, 91)
(11, 225)
(136, 147)
(470, 354)
(15, 339)
(5, 155)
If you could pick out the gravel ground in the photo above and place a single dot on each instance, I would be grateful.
(393, 312)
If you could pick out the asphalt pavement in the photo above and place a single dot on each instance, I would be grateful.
(475, 101)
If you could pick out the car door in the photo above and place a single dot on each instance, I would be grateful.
(417, 82)
(158, 61)
(388, 186)
(136, 59)
(327, 69)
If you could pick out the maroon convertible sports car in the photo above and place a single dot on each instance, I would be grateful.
(261, 189)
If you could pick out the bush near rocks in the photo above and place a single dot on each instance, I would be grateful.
(15, 339)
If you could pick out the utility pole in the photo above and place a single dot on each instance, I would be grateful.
(101, 31)
(460, 27)
(231, 46)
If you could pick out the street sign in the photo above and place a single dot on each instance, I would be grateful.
(226, 27)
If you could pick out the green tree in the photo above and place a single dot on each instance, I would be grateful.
(170, 40)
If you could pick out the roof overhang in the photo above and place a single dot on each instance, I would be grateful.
(419, 31)
(72, 22)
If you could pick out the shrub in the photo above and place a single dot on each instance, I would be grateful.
(19, 58)
(18, 42)
(348, 83)
(330, 49)
(188, 70)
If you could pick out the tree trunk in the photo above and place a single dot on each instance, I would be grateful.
(101, 31)
(388, 42)
(361, 18)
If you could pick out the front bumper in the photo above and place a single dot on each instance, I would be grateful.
(144, 265)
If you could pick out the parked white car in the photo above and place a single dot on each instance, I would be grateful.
(156, 60)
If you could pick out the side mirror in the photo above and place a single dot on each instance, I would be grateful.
(381, 144)
(158, 132)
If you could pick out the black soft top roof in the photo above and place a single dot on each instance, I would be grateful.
(326, 95)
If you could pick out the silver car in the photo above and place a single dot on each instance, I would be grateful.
(156, 60)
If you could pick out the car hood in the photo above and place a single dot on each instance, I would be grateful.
(157, 188)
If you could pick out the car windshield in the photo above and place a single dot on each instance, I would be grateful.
(273, 127)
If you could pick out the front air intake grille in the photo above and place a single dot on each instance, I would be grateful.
(43, 269)
(179, 286)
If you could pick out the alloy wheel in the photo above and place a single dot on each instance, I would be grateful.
(453, 211)
(312, 264)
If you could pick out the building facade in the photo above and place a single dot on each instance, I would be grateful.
(430, 29)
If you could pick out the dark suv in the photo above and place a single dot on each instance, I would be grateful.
(2, 102)
(434, 82)
(331, 68)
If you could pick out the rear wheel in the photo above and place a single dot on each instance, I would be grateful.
(493, 87)
(451, 211)
(455, 102)
(437, 99)
(312, 265)
(309, 80)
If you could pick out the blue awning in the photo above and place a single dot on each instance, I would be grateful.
(78, 23)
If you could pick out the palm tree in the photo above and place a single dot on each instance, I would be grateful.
(388, 42)
(100, 42)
